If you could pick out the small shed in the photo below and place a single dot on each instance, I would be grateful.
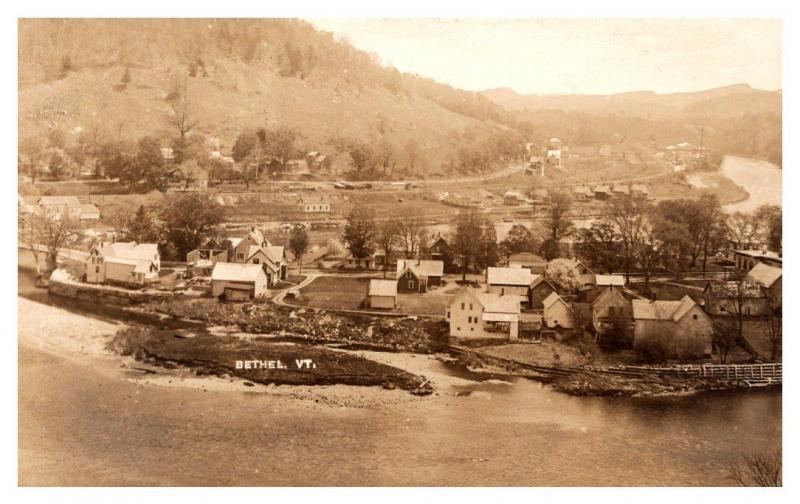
(382, 294)
(557, 312)
(238, 282)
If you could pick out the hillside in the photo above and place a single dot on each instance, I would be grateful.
(238, 75)
(735, 119)
(727, 100)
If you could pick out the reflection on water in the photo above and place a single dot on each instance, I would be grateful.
(494, 431)
(763, 180)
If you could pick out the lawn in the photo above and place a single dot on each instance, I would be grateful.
(338, 293)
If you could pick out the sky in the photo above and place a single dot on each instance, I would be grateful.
(584, 56)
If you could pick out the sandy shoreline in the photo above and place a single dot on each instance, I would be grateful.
(75, 337)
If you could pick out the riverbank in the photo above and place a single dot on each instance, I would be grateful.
(260, 361)
(122, 422)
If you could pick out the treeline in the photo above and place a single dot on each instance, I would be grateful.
(748, 135)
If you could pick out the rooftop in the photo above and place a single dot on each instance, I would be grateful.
(510, 276)
(662, 310)
(379, 287)
(764, 274)
(236, 272)
(606, 280)
(425, 267)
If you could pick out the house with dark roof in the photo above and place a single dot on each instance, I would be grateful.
(540, 289)
(417, 275)
(582, 193)
(602, 192)
(609, 310)
(673, 329)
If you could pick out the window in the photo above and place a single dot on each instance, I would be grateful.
(469, 319)
(97, 269)
(694, 316)
(448, 313)
(462, 306)
(255, 261)
(470, 306)
(410, 284)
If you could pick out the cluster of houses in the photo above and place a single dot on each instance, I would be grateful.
(608, 191)
(59, 207)
(411, 276)
(523, 292)
(245, 268)
(241, 267)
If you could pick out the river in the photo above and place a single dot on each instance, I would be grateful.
(113, 431)
(762, 179)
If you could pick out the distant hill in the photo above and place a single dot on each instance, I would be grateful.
(727, 100)
(735, 119)
(239, 74)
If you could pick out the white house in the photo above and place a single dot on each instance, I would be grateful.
(483, 315)
(313, 204)
(123, 263)
(557, 312)
(238, 282)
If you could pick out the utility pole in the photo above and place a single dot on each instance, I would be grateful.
(701, 142)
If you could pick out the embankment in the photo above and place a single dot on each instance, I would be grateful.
(61, 284)
(261, 361)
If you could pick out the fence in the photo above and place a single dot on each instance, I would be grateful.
(754, 374)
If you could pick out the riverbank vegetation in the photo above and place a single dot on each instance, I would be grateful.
(260, 361)
(314, 326)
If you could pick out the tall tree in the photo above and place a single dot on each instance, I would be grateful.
(142, 227)
(412, 232)
(190, 219)
(599, 245)
(556, 222)
(386, 239)
(629, 214)
(488, 248)
(466, 240)
(51, 233)
(298, 244)
(519, 239)
(770, 219)
(360, 232)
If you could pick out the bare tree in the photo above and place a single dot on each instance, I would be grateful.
(629, 216)
(182, 117)
(387, 238)
(47, 234)
(758, 469)
(774, 321)
(412, 232)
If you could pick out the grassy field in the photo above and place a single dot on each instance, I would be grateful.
(338, 293)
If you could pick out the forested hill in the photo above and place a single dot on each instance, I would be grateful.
(118, 76)
(736, 119)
